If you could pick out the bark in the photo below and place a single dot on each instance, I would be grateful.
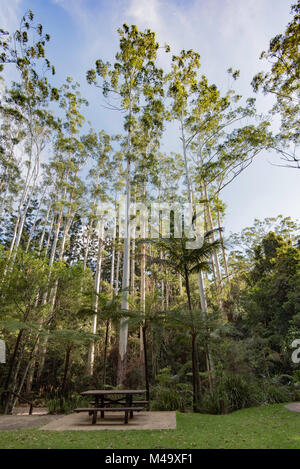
(132, 275)
(167, 294)
(180, 285)
(52, 294)
(44, 229)
(66, 371)
(105, 352)
(223, 247)
(162, 283)
(211, 226)
(49, 235)
(122, 360)
(147, 386)
(143, 291)
(91, 353)
(32, 354)
(87, 245)
(196, 377)
(22, 219)
(12, 366)
(29, 381)
(35, 220)
(118, 271)
(195, 362)
(113, 255)
(187, 286)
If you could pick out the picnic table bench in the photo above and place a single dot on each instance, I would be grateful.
(124, 398)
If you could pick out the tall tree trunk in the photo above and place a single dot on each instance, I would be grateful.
(200, 274)
(49, 234)
(147, 385)
(24, 212)
(190, 199)
(35, 220)
(143, 290)
(195, 362)
(122, 360)
(11, 368)
(107, 325)
(132, 275)
(211, 226)
(118, 270)
(196, 376)
(29, 362)
(41, 242)
(91, 353)
(66, 371)
(180, 285)
(223, 246)
(105, 351)
(52, 293)
(29, 381)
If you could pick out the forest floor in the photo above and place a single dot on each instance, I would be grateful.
(271, 426)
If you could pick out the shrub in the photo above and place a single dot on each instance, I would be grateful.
(234, 390)
(169, 394)
(277, 393)
(237, 392)
(64, 405)
(165, 398)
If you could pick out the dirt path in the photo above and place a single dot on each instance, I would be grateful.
(295, 406)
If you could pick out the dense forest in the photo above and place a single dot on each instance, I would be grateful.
(85, 304)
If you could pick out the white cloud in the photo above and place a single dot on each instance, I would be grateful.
(9, 14)
(146, 13)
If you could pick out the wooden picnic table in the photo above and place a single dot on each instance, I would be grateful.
(122, 397)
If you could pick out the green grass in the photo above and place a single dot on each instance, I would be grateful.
(261, 427)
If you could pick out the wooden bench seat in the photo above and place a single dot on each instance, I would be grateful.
(133, 402)
(93, 411)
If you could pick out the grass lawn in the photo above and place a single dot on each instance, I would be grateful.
(261, 427)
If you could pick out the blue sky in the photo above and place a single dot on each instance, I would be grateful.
(226, 33)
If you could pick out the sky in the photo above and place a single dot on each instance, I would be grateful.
(226, 33)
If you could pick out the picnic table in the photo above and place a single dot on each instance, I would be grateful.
(105, 400)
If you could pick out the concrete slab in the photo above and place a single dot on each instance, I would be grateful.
(113, 421)
(18, 422)
(295, 406)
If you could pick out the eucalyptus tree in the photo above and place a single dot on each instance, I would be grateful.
(11, 136)
(166, 181)
(133, 78)
(146, 143)
(69, 158)
(101, 150)
(43, 207)
(182, 81)
(24, 46)
(218, 139)
(282, 81)
(20, 313)
(27, 101)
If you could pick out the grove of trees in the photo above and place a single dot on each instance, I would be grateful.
(83, 304)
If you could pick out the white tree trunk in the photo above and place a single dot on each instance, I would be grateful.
(122, 362)
(91, 353)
